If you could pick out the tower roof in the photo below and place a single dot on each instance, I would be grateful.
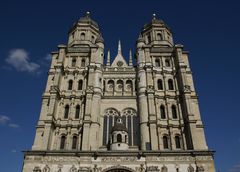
(119, 126)
(156, 22)
(88, 20)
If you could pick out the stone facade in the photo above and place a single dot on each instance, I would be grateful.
(89, 108)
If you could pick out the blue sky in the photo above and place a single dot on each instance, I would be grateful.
(30, 30)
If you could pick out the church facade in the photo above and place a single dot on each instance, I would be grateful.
(118, 116)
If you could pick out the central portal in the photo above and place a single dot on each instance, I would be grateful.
(119, 170)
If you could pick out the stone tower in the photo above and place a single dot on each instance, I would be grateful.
(119, 116)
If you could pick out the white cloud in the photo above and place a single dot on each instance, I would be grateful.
(20, 60)
(5, 120)
(13, 151)
(13, 125)
(48, 57)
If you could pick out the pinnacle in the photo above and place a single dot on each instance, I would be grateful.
(119, 47)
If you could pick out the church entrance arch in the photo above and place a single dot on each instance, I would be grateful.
(118, 169)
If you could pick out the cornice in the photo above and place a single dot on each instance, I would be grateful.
(192, 153)
(119, 97)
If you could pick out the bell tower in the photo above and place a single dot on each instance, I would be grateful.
(157, 33)
(85, 31)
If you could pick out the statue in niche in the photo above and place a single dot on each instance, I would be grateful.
(200, 169)
(73, 169)
(96, 169)
(141, 168)
(60, 168)
(190, 168)
(37, 169)
(164, 169)
(46, 168)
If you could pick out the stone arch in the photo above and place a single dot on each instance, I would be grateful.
(62, 141)
(125, 111)
(118, 169)
(111, 111)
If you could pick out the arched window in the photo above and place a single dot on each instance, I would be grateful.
(160, 84)
(80, 84)
(119, 138)
(149, 38)
(66, 111)
(174, 112)
(170, 84)
(93, 39)
(130, 120)
(83, 63)
(167, 63)
(77, 112)
(74, 142)
(62, 142)
(162, 111)
(110, 84)
(74, 62)
(82, 36)
(70, 84)
(157, 63)
(177, 142)
(165, 142)
(159, 37)
(108, 122)
(125, 138)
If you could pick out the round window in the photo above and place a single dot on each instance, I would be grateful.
(119, 63)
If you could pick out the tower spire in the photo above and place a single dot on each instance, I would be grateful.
(119, 47)
(130, 58)
(108, 58)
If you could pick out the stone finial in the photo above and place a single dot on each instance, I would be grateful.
(154, 16)
(88, 14)
(119, 47)
(130, 58)
(108, 58)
